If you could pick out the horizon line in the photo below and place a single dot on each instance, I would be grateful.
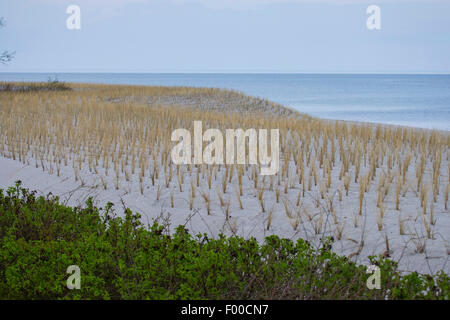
(222, 72)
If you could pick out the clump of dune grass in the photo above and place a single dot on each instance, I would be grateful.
(207, 200)
(52, 84)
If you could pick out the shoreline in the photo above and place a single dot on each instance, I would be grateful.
(287, 107)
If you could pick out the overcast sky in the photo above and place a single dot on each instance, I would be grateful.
(324, 36)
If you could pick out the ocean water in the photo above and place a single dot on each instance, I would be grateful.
(410, 100)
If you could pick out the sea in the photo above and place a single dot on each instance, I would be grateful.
(415, 100)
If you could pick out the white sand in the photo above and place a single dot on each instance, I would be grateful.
(251, 222)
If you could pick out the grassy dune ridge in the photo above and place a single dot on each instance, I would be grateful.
(375, 189)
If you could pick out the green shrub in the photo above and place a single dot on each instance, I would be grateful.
(120, 258)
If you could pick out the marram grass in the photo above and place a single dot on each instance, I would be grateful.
(121, 134)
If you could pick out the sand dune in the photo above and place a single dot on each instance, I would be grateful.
(374, 189)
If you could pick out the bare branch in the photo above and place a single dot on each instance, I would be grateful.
(6, 56)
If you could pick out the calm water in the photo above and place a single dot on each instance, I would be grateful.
(412, 100)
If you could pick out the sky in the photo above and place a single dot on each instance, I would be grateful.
(298, 36)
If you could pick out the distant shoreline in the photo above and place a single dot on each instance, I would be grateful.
(287, 107)
(236, 73)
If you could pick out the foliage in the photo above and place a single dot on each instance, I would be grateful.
(120, 258)
(51, 85)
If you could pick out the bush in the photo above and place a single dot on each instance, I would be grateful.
(50, 85)
(120, 258)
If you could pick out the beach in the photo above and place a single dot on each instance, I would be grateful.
(374, 189)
